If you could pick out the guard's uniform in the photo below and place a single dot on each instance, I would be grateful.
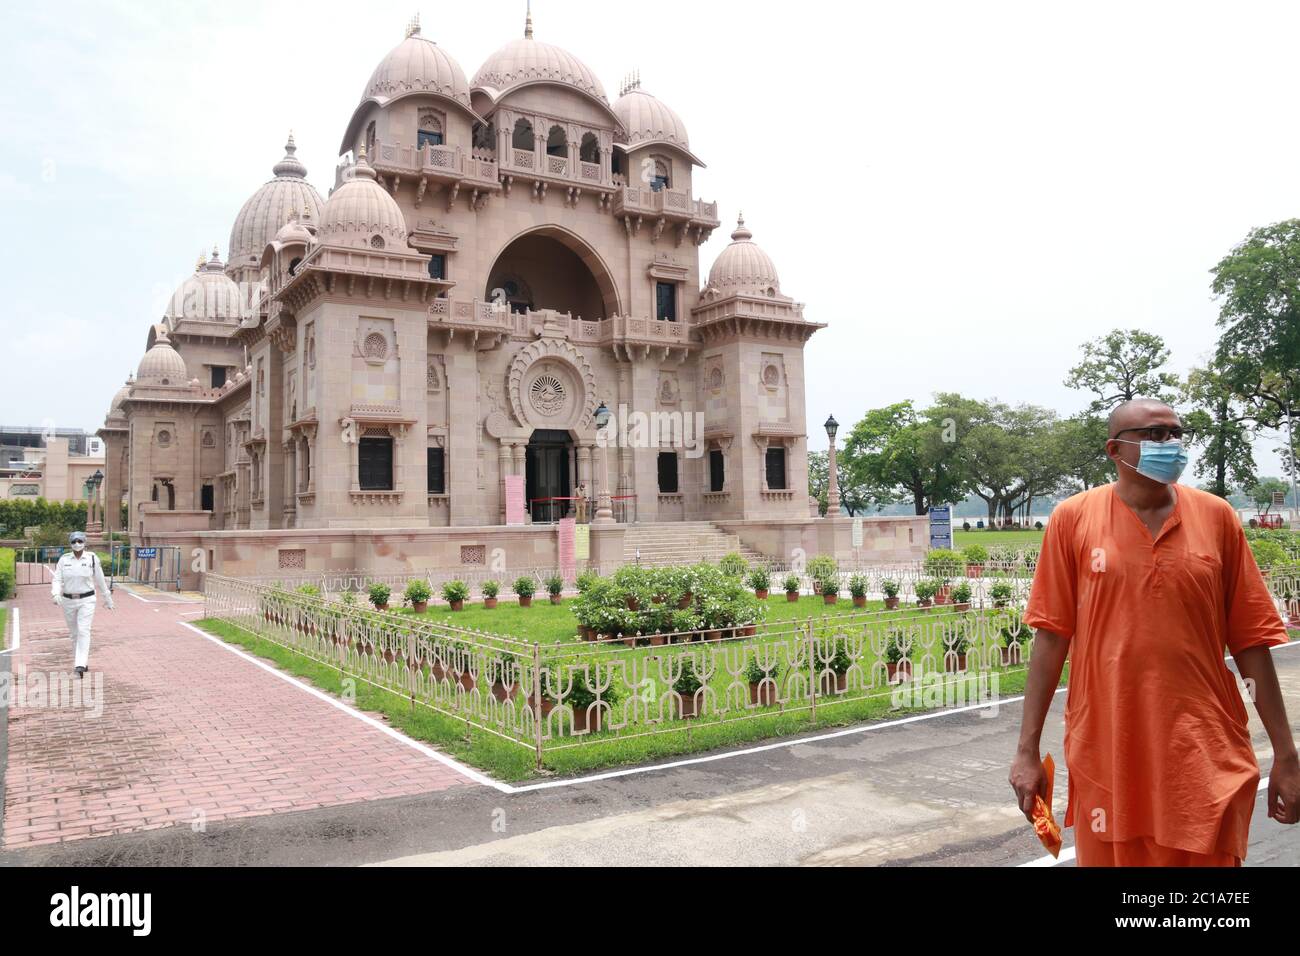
(75, 581)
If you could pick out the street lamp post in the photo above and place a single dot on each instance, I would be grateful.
(833, 491)
(604, 511)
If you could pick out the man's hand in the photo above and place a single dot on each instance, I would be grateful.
(1284, 790)
(1028, 780)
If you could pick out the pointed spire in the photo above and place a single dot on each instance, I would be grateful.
(362, 167)
(528, 22)
(741, 233)
(291, 165)
(198, 266)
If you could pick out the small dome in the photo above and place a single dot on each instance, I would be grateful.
(529, 61)
(162, 364)
(647, 120)
(362, 213)
(115, 407)
(269, 208)
(294, 231)
(417, 65)
(743, 267)
(207, 296)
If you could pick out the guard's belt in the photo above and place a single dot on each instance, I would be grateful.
(75, 597)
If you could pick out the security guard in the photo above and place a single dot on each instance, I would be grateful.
(76, 577)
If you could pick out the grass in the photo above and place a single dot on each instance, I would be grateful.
(513, 762)
(1015, 538)
(4, 633)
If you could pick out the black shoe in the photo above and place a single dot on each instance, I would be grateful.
(81, 672)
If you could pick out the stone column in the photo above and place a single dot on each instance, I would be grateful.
(520, 452)
(504, 460)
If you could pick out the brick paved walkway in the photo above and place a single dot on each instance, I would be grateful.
(188, 732)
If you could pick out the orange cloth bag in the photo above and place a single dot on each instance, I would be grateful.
(1044, 823)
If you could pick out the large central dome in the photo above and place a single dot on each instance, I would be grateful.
(525, 61)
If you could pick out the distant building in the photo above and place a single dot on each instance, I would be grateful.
(47, 463)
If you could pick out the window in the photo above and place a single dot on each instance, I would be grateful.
(437, 471)
(485, 136)
(375, 464)
(523, 138)
(662, 177)
(207, 501)
(294, 263)
(668, 473)
(717, 469)
(430, 131)
(438, 266)
(776, 469)
(370, 140)
(617, 161)
(589, 151)
(218, 375)
(666, 301)
(557, 144)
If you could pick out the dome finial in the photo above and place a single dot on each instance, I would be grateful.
(363, 167)
(528, 22)
(198, 266)
(742, 232)
(413, 28)
(291, 165)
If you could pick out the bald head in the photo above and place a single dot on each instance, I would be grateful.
(1141, 413)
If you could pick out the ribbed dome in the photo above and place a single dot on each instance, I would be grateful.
(529, 60)
(207, 296)
(362, 213)
(417, 65)
(647, 120)
(268, 209)
(115, 408)
(743, 266)
(161, 365)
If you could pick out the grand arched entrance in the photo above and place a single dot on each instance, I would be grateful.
(551, 268)
(548, 469)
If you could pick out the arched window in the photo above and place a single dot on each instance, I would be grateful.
(430, 131)
(557, 144)
(523, 138)
(589, 151)
(662, 176)
(485, 135)
(618, 162)
(370, 140)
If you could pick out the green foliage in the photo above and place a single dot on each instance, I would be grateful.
(19, 513)
(1258, 284)
(1123, 365)
(961, 592)
(418, 591)
(525, 586)
(453, 591)
(379, 593)
(349, 598)
(7, 573)
(490, 589)
(839, 662)
(733, 565)
(975, 554)
(585, 580)
(688, 681)
(890, 587)
(944, 563)
(555, 585)
(754, 673)
(897, 452)
(1268, 553)
(1001, 591)
(310, 590)
(760, 578)
(829, 586)
(926, 589)
(858, 586)
(792, 584)
(823, 566)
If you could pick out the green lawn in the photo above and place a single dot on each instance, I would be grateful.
(546, 623)
(1006, 539)
(4, 633)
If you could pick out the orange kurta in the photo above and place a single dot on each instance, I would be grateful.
(1156, 740)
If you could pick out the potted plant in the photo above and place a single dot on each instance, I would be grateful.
(975, 556)
(792, 587)
(823, 566)
(1014, 636)
(578, 695)
(898, 667)
(555, 588)
(733, 565)
(418, 593)
(954, 658)
(760, 579)
(891, 589)
(525, 587)
(762, 683)
(585, 580)
(490, 590)
(505, 677)
(455, 593)
(686, 689)
(961, 596)
(925, 590)
(858, 588)
(1000, 592)
(379, 595)
(829, 588)
(833, 674)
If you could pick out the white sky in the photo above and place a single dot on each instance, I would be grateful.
(964, 192)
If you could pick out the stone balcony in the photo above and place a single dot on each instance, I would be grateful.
(489, 324)
(663, 208)
(459, 170)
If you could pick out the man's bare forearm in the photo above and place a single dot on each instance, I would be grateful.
(1045, 666)
(1255, 664)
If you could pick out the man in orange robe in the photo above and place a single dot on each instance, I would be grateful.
(1144, 583)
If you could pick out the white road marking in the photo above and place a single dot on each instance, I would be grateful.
(460, 768)
(17, 636)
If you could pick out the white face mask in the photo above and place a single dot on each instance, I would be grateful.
(78, 545)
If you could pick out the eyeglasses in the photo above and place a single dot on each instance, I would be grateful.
(1160, 433)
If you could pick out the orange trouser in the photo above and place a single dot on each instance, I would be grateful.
(1090, 850)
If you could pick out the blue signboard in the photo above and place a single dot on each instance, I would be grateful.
(146, 554)
(941, 527)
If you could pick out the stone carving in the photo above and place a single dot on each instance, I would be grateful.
(293, 559)
(557, 354)
(547, 395)
(375, 347)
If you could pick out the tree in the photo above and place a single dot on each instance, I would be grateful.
(1259, 285)
(1261, 492)
(893, 450)
(819, 478)
(1079, 443)
(1222, 422)
(1121, 366)
(854, 497)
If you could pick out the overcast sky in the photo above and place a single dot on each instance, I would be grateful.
(964, 192)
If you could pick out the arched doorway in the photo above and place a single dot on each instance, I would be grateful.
(549, 456)
(551, 268)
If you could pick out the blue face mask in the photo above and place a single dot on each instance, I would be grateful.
(1160, 461)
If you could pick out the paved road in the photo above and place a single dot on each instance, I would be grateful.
(925, 792)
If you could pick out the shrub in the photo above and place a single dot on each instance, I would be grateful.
(840, 661)
(733, 565)
(760, 579)
(349, 598)
(975, 554)
(379, 593)
(580, 693)
(1038, 526)
(961, 593)
(1268, 553)
(688, 682)
(310, 590)
(894, 651)
(555, 585)
(791, 583)
(890, 587)
(943, 563)
(926, 589)
(453, 591)
(823, 566)
(7, 573)
(585, 580)
(490, 589)
(965, 526)
(858, 586)
(1001, 554)
(828, 586)
(1001, 590)
(1030, 557)
(525, 586)
(754, 673)
(418, 591)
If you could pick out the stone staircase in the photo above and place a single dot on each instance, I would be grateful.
(683, 542)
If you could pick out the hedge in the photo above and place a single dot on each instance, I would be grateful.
(19, 513)
(6, 573)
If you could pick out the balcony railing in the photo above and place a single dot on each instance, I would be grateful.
(447, 162)
(487, 316)
(674, 204)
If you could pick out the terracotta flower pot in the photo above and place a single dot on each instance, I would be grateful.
(466, 680)
(899, 672)
(658, 640)
(924, 603)
(792, 596)
(381, 607)
(891, 603)
(749, 630)
(713, 634)
(489, 603)
(687, 705)
(859, 600)
(419, 607)
(457, 605)
(941, 598)
(633, 604)
(503, 691)
(954, 663)
(557, 599)
(585, 721)
(762, 693)
(438, 669)
(963, 606)
(833, 683)
(389, 656)
(830, 598)
(685, 601)
(974, 570)
(548, 705)
(525, 601)
(760, 593)
(630, 641)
